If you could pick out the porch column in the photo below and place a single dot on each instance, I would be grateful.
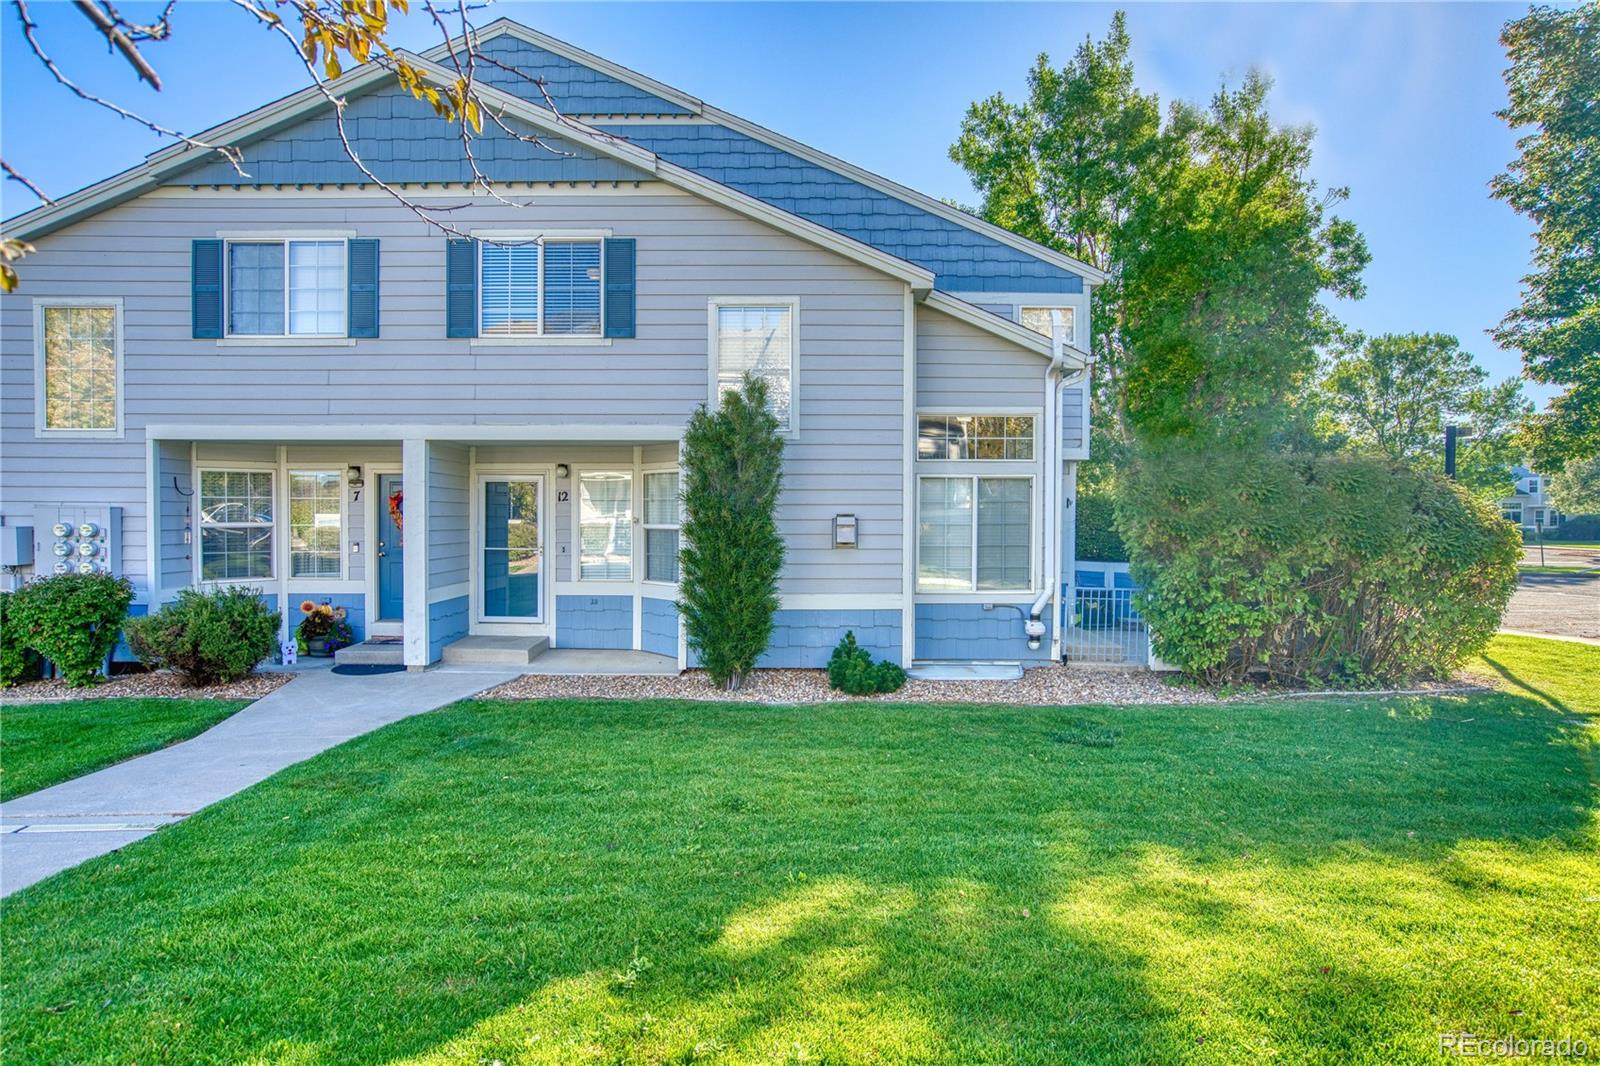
(414, 459)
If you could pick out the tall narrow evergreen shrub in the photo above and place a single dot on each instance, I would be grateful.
(732, 553)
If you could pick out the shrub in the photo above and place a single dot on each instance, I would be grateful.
(1097, 538)
(18, 662)
(208, 637)
(732, 553)
(73, 620)
(1583, 527)
(851, 669)
(1312, 569)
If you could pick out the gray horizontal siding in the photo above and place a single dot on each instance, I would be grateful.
(961, 367)
(449, 536)
(847, 457)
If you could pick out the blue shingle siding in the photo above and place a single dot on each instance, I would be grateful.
(805, 638)
(659, 626)
(967, 631)
(576, 89)
(447, 623)
(595, 622)
(962, 259)
(400, 139)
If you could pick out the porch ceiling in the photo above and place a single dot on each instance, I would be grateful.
(302, 433)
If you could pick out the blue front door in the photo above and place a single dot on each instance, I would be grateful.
(391, 549)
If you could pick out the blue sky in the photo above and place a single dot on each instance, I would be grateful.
(1402, 97)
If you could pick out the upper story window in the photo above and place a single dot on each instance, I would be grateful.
(756, 337)
(78, 366)
(293, 288)
(1038, 320)
(547, 288)
(1533, 486)
(984, 437)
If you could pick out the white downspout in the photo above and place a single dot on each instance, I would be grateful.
(1033, 627)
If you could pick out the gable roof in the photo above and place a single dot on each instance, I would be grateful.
(966, 252)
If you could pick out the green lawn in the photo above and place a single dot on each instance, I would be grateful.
(567, 882)
(45, 743)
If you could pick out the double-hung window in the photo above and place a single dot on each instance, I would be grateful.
(974, 533)
(236, 512)
(755, 337)
(287, 288)
(605, 526)
(661, 520)
(316, 523)
(543, 288)
(78, 366)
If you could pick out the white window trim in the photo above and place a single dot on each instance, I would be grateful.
(974, 592)
(542, 238)
(1035, 413)
(578, 473)
(40, 429)
(288, 524)
(716, 303)
(645, 527)
(230, 238)
(278, 566)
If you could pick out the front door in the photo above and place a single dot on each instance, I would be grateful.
(511, 550)
(391, 549)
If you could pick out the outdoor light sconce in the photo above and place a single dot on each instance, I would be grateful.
(563, 471)
(352, 477)
(844, 531)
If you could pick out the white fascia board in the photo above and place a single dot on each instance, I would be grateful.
(441, 53)
(355, 431)
(777, 140)
(1004, 328)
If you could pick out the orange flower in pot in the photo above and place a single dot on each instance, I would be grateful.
(323, 630)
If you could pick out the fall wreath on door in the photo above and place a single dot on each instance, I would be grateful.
(397, 502)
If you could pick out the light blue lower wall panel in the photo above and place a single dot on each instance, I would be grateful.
(658, 628)
(967, 631)
(805, 639)
(354, 604)
(595, 622)
(447, 623)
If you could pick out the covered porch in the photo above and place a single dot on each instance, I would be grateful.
(453, 544)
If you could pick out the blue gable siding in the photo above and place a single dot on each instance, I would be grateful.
(402, 140)
(575, 88)
(963, 260)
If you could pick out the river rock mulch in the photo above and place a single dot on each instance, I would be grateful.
(1039, 686)
(156, 683)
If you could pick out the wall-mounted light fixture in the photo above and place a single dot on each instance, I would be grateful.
(563, 471)
(352, 477)
(844, 531)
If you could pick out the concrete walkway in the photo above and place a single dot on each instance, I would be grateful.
(58, 827)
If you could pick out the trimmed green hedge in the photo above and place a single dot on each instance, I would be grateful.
(1097, 536)
(73, 620)
(1334, 570)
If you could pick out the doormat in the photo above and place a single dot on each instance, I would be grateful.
(362, 669)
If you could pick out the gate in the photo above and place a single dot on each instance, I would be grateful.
(1104, 628)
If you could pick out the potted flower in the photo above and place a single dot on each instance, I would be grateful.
(323, 630)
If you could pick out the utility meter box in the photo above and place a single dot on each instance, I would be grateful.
(79, 539)
(16, 545)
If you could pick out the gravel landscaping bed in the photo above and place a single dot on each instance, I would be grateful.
(1039, 686)
(155, 683)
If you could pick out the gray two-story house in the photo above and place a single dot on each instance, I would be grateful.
(287, 379)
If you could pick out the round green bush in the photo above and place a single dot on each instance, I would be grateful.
(73, 620)
(851, 669)
(18, 662)
(1319, 570)
(209, 637)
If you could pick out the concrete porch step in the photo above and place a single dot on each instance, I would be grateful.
(371, 653)
(481, 650)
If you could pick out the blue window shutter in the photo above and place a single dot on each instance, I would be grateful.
(461, 288)
(362, 273)
(620, 288)
(205, 283)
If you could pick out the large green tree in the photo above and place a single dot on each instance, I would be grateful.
(1393, 395)
(1554, 88)
(1225, 267)
(1575, 489)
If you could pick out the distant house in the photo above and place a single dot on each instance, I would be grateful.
(1530, 507)
(286, 380)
